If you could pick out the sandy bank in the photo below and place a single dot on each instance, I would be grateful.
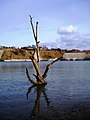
(17, 60)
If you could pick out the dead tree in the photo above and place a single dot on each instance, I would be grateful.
(40, 79)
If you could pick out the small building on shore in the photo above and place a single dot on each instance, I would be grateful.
(75, 56)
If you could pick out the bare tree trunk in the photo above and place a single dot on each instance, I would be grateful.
(39, 78)
(35, 37)
(37, 42)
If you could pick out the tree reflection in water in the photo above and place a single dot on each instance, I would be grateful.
(40, 89)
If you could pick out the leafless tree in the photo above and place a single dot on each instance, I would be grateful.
(40, 78)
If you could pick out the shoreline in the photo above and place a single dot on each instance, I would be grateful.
(27, 60)
(23, 60)
(17, 60)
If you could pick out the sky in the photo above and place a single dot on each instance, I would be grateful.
(63, 24)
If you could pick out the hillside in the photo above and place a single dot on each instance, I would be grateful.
(24, 54)
(9, 54)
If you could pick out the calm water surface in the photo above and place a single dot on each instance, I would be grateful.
(68, 89)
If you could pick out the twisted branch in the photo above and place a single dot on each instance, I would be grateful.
(48, 67)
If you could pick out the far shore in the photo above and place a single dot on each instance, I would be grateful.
(17, 60)
(28, 60)
(21, 60)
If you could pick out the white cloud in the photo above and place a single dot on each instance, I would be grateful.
(68, 29)
(70, 38)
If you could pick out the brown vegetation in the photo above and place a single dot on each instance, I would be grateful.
(50, 54)
(14, 53)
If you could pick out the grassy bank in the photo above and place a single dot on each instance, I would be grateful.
(9, 54)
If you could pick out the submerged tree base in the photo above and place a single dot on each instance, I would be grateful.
(33, 81)
(40, 79)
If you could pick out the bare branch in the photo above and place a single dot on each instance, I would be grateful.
(32, 27)
(36, 31)
(48, 67)
(37, 42)
(32, 81)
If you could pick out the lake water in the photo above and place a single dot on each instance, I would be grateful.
(68, 90)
